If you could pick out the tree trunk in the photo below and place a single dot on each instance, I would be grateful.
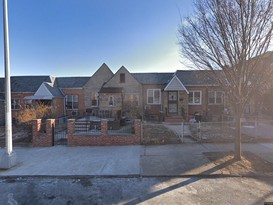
(237, 138)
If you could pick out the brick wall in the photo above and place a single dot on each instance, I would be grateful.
(41, 137)
(81, 107)
(103, 138)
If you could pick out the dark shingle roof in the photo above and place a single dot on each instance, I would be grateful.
(196, 77)
(153, 78)
(71, 82)
(24, 83)
(56, 92)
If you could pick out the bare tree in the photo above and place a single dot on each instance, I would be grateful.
(231, 38)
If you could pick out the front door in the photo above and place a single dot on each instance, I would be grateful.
(172, 102)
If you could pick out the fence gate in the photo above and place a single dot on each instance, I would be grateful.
(60, 132)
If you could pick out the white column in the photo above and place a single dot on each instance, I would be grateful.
(8, 113)
(8, 159)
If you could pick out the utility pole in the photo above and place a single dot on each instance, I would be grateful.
(8, 158)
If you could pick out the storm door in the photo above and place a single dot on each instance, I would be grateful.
(172, 102)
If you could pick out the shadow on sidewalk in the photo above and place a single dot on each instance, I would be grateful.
(192, 179)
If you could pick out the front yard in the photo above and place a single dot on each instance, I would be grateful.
(156, 134)
(218, 132)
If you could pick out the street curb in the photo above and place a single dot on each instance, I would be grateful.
(210, 176)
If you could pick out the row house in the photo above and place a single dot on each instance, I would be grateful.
(152, 96)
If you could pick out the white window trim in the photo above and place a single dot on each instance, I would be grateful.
(97, 99)
(73, 108)
(159, 103)
(194, 91)
(215, 96)
(14, 102)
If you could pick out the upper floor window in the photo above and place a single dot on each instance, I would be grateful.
(153, 96)
(15, 104)
(215, 97)
(111, 101)
(94, 99)
(122, 77)
(195, 97)
(72, 102)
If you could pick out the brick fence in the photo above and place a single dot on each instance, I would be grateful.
(44, 137)
(102, 139)
(41, 137)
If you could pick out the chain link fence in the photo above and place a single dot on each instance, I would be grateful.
(252, 130)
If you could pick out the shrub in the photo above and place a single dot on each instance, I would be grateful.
(39, 111)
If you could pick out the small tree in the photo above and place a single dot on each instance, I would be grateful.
(230, 38)
(39, 111)
(131, 110)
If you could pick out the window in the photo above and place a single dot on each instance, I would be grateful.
(215, 97)
(15, 104)
(122, 77)
(94, 99)
(111, 101)
(195, 97)
(72, 102)
(132, 99)
(28, 104)
(154, 96)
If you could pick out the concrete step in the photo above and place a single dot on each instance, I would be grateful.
(173, 120)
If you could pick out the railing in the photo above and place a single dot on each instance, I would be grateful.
(85, 126)
(212, 131)
(251, 130)
(126, 128)
(91, 126)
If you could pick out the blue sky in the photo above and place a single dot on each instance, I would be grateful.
(75, 37)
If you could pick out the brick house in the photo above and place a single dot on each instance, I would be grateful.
(152, 96)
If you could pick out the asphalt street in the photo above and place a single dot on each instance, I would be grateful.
(168, 174)
(146, 190)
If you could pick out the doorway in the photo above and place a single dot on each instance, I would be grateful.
(172, 102)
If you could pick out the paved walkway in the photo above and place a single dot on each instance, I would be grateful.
(183, 133)
(164, 160)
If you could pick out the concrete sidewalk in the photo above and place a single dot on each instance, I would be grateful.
(164, 160)
(65, 161)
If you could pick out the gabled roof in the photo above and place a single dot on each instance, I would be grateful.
(56, 92)
(46, 92)
(103, 68)
(196, 77)
(71, 82)
(115, 80)
(175, 84)
(25, 83)
(153, 78)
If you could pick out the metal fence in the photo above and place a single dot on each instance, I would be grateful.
(60, 131)
(252, 130)
(124, 128)
(85, 126)
(93, 127)
(211, 131)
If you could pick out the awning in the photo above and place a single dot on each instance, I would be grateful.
(36, 97)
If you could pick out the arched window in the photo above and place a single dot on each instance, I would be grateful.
(111, 101)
